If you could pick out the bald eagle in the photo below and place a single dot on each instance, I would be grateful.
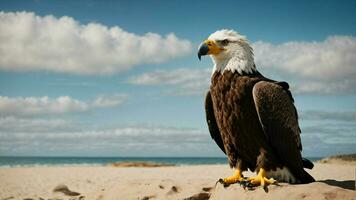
(251, 118)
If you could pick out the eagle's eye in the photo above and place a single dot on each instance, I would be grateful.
(224, 42)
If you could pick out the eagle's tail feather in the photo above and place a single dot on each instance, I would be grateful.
(307, 163)
(306, 177)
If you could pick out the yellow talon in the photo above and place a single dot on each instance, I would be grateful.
(237, 177)
(261, 179)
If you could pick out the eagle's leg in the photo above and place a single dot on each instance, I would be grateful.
(263, 160)
(236, 178)
(261, 179)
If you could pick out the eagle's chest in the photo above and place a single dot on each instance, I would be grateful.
(232, 99)
(236, 114)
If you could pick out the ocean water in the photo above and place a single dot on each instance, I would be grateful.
(88, 161)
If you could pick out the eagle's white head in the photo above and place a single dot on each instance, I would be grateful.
(229, 51)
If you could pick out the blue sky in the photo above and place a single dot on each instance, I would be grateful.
(121, 78)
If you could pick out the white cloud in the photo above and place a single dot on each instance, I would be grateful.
(34, 106)
(332, 133)
(29, 125)
(346, 116)
(23, 136)
(188, 81)
(31, 42)
(31, 136)
(64, 138)
(67, 130)
(170, 77)
(325, 67)
(109, 101)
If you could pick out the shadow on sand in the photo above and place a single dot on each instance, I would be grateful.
(348, 184)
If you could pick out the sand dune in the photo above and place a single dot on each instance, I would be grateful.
(334, 181)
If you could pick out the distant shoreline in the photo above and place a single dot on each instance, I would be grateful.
(41, 161)
(35, 161)
(6, 162)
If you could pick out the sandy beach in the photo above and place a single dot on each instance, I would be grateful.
(334, 181)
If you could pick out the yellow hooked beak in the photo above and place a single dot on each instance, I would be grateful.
(209, 47)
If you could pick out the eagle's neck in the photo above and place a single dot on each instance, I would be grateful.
(241, 62)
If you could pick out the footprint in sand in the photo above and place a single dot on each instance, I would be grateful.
(148, 197)
(173, 190)
(199, 196)
(206, 189)
(64, 189)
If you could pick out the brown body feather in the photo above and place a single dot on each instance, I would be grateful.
(254, 121)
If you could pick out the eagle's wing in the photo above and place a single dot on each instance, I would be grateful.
(278, 117)
(276, 111)
(210, 118)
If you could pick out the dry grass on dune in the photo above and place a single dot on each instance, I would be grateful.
(139, 164)
(347, 159)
